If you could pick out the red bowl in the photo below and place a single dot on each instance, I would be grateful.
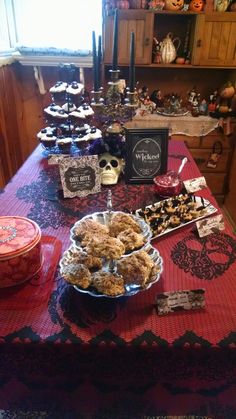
(168, 184)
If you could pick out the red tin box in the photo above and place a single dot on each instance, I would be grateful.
(20, 250)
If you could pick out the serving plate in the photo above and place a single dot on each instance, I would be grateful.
(104, 218)
(158, 211)
(130, 289)
(167, 112)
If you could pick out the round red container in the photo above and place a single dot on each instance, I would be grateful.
(168, 184)
(20, 250)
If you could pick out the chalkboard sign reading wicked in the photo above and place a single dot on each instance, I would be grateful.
(80, 176)
(146, 154)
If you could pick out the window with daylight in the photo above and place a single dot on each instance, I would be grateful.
(42, 25)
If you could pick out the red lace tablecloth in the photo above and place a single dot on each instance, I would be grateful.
(61, 349)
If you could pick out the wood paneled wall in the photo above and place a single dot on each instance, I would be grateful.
(21, 104)
(21, 113)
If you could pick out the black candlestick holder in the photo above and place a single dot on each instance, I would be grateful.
(117, 106)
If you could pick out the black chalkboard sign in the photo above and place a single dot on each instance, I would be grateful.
(146, 154)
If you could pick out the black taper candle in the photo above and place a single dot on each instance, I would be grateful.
(132, 63)
(99, 60)
(115, 42)
(95, 69)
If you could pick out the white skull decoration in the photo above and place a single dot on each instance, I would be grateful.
(110, 168)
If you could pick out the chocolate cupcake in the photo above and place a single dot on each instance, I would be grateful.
(93, 133)
(48, 140)
(66, 129)
(64, 144)
(51, 112)
(80, 142)
(73, 92)
(58, 91)
(60, 116)
(87, 111)
(77, 116)
(69, 107)
(82, 129)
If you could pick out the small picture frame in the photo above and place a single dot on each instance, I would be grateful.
(146, 154)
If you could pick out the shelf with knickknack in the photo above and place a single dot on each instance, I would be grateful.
(204, 39)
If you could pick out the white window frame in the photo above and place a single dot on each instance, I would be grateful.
(9, 35)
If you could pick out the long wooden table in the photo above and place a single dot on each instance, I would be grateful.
(73, 355)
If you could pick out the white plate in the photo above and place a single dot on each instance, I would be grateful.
(130, 289)
(201, 202)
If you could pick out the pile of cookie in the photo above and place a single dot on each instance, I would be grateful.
(172, 212)
(97, 247)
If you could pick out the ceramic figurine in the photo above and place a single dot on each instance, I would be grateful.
(174, 5)
(156, 51)
(157, 98)
(212, 103)
(203, 107)
(196, 5)
(221, 5)
(156, 4)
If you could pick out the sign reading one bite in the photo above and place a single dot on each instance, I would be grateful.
(146, 154)
(80, 176)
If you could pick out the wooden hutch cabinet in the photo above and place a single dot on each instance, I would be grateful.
(211, 36)
(215, 40)
(211, 40)
(138, 21)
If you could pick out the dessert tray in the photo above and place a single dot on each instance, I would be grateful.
(173, 213)
(130, 289)
(103, 218)
(176, 112)
(111, 255)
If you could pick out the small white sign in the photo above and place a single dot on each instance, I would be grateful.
(210, 225)
(57, 158)
(175, 301)
(80, 176)
(196, 184)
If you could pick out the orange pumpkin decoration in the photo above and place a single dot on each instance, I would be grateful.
(196, 5)
(227, 91)
(174, 4)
